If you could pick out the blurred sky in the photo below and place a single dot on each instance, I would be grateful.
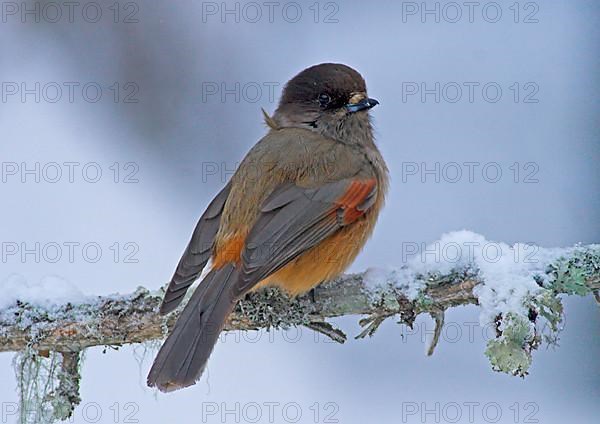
(158, 134)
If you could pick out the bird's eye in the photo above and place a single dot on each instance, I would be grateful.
(324, 99)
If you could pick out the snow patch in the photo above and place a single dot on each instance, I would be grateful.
(49, 292)
(379, 279)
(508, 271)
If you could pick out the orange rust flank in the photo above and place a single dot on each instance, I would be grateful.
(229, 251)
(356, 194)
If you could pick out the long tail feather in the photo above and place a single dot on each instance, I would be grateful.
(184, 354)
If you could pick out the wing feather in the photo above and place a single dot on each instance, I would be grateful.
(197, 253)
(294, 219)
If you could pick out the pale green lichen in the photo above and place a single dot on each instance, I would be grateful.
(48, 388)
(548, 306)
(571, 276)
(423, 303)
(271, 308)
(388, 299)
(511, 352)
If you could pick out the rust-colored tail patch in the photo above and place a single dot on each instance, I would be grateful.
(229, 251)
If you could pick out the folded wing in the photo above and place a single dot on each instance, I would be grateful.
(293, 219)
(197, 253)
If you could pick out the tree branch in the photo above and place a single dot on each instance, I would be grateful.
(121, 319)
(416, 288)
(134, 318)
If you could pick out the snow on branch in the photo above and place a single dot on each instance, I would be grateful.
(515, 287)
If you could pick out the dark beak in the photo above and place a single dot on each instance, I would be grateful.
(364, 104)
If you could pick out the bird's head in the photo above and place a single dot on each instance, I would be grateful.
(330, 99)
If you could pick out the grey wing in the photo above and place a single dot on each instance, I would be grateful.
(197, 253)
(294, 219)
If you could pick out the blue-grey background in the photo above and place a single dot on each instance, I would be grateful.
(177, 134)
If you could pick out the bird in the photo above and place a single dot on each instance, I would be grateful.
(296, 212)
